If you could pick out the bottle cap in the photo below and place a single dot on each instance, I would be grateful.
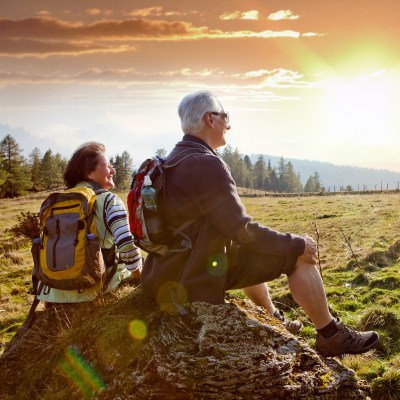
(147, 181)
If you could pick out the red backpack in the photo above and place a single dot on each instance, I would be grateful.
(148, 226)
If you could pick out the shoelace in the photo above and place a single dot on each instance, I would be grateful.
(352, 335)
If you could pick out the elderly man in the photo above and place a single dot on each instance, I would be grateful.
(229, 250)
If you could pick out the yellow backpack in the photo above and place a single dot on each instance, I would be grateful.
(67, 255)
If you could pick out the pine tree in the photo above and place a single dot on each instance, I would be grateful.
(51, 173)
(313, 183)
(282, 175)
(61, 162)
(289, 181)
(249, 176)
(274, 180)
(248, 162)
(3, 173)
(318, 184)
(161, 152)
(16, 173)
(260, 173)
(123, 170)
(116, 163)
(127, 169)
(36, 176)
(239, 168)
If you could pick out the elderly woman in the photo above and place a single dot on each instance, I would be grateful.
(89, 167)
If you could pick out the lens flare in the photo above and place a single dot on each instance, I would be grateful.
(171, 295)
(80, 372)
(217, 265)
(138, 329)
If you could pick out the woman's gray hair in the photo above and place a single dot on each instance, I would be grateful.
(192, 108)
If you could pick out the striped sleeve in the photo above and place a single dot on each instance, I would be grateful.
(117, 223)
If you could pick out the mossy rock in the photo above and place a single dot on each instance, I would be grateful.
(229, 351)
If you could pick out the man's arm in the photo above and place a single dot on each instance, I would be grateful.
(219, 201)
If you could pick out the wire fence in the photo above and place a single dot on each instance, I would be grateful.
(363, 189)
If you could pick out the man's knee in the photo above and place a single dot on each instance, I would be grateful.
(301, 264)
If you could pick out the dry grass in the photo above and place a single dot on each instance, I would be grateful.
(365, 295)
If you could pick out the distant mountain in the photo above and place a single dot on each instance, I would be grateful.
(334, 176)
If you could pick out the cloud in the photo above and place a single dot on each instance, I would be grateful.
(146, 12)
(157, 11)
(251, 14)
(42, 49)
(276, 78)
(111, 76)
(256, 80)
(48, 28)
(43, 13)
(93, 11)
(282, 14)
(312, 34)
(45, 36)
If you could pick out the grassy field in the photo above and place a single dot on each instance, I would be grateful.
(359, 249)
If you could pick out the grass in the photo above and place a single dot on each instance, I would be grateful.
(364, 293)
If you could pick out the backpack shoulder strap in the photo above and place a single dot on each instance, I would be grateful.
(182, 155)
(106, 201)
(31, 314)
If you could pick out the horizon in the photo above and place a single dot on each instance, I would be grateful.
(304, 80)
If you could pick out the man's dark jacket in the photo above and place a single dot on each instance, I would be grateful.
(201, 188)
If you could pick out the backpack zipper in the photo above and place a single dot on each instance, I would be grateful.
(62, 208)
(55, 243)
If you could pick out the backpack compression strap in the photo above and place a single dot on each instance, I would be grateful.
(31, 314)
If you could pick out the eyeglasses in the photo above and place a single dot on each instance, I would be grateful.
(221, 114)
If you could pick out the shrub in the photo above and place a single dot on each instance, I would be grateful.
(27, 227)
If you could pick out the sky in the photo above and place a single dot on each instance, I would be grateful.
(304, 79)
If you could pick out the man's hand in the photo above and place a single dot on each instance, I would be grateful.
(310, 251)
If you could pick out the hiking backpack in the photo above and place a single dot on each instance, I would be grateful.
(148, 226)
(67, 255)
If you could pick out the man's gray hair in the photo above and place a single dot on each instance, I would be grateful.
(192, 108)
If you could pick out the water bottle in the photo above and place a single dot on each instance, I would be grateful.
(149, 194)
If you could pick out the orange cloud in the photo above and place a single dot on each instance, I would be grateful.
(47, 35)
(146, 12)
(157, 11)
(41, 49)
(52, 28)
(110, 75)
(312, 34)
(275, 78)
(43, 13)
(93, 11)
(258, 79)
(138, 29)
(282, 14)
(251, 14)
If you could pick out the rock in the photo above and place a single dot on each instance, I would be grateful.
(231, 351)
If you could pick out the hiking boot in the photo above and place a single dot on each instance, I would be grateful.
(345, 341)
(294, 327)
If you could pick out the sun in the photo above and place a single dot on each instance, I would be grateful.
(360, 111)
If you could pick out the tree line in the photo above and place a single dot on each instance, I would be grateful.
(19, 175)
(262, 176)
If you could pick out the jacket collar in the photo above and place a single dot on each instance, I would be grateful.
(188, 139)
